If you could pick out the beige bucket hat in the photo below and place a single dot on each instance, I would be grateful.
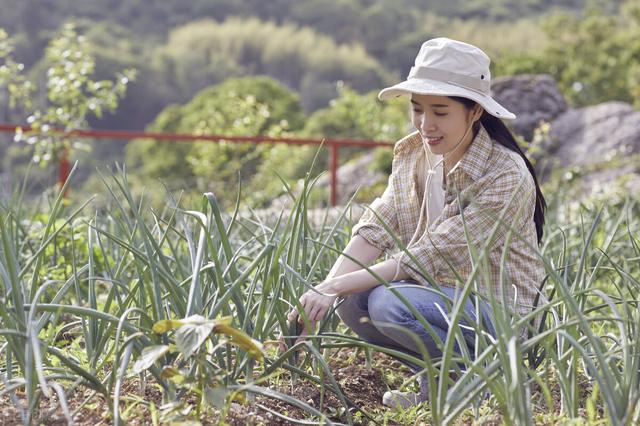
(448, 67)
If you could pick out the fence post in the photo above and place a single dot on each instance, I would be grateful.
(64, 169)
(334, 174)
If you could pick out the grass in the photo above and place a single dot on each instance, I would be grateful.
(94, 298)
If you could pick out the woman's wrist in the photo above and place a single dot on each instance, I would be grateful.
(330, 286)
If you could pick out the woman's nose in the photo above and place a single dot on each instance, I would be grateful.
(426, 124)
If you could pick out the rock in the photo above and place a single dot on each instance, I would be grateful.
(611, 184)
(352, 176)
(533, 98)
(594, 134)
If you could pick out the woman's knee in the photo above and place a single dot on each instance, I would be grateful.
(352, 308)
(386, 307)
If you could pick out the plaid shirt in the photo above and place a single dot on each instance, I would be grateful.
(491, 182)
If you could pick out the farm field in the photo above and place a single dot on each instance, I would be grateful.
(128, 314)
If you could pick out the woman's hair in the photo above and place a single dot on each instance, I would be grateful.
(501, 134)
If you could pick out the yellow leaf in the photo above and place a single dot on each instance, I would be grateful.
(241, 339)
(163, 326)
(169, 372)
(172, 374)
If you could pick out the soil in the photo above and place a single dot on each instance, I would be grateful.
(362, 385)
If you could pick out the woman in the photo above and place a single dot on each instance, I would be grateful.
(461, 169)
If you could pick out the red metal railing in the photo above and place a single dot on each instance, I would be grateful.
(333, 144)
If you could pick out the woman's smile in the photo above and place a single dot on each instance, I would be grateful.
(432, 140)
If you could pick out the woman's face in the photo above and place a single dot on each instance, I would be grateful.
(442, 123)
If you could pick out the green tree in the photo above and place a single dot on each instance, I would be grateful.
(205, 52)
(594, 58)
(357, 116)
(238, 106)
(349, 116)
(12, 79)
(72, 96)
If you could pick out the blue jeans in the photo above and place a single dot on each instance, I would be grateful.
(387, 318)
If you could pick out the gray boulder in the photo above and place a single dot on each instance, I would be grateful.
(533, 98)
(594, 134)
(352, 176)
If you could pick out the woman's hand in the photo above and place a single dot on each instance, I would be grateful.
(316, 303)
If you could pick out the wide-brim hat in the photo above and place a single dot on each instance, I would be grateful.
(446, 67)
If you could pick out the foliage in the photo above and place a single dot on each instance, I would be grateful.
(187, 269)
(189, 263)
(349, 116)
(115, 48)
(372, 22)
(355, 116)
(217, 111)
(241, 107)
(19, 88)
(206, 52)
(310, 46)
(191, 334)
(594, 58)
(72, 96)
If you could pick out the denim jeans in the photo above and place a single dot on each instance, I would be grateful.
(387, 317)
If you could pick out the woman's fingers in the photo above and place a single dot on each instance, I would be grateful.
(293, 315)
(313, 305)
(282, 345)
(321, 313)
(306, 305)
(305, 332)
(317, 313)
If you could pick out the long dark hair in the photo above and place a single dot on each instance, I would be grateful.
(500, 133)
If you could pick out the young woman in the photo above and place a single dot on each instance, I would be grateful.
(462, 168)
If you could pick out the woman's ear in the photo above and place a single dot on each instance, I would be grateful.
(477, 113)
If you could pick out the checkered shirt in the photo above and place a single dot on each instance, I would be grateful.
(491, 193)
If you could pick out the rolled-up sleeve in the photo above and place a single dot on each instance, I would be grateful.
(444, 248)
(370, 226)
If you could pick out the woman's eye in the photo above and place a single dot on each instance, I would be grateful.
(417, 111)
(440, 114)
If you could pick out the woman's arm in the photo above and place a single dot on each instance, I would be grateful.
(358, 249)
(317, 302)
(362, 280)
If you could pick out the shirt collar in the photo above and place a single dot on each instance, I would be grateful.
(408, 143)
(474, 161)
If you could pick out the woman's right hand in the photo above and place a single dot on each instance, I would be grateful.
(282, 343)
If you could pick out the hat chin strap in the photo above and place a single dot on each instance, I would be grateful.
(427, 191)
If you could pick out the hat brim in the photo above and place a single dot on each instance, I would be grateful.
(430, 87)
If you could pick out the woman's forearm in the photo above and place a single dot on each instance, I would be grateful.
(361, 280)
(359, 249)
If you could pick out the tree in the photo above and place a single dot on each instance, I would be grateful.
(72, 96)
(238, 106)
(206, 52)
(351, 115)
(594, 58)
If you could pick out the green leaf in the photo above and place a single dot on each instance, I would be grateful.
(192, 334)
(216, 397)
(149, 355)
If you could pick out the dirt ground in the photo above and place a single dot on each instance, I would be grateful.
(361, 384)
(364, 386)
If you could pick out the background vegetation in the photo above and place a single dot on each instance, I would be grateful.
(164, 304)
(325, 54)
